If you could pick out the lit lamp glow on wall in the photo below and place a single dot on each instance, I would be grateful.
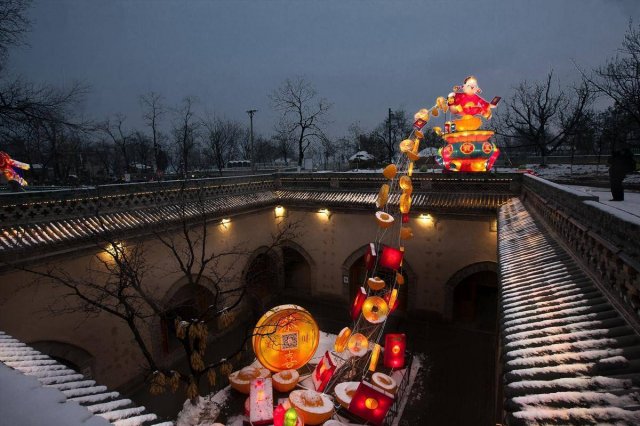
(370, 403)
(225, 222)
(323, 372)
(279, 212)
(391, 258)
(325, 214)
(394, 347)
(261, 402)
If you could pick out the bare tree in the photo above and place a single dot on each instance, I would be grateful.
(154, 110)
(113, 128)
(122, 286)
(303, 113)
(619, 78)
(13, 25)
(185, 133)
(222, 138)
(542, 116)
(391, 131)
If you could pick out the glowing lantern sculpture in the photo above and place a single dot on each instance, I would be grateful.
(370, 403)
(391, 258)
(375, 309)
(356, 308)
(394, 347)
(261, 402)
(323, 372)
(9, 168)
(286, 337)
(468, 147)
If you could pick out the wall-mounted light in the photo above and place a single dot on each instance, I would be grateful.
(493, 225)
(326, 213)
(225, 222)
(425, 219)
(279, 212)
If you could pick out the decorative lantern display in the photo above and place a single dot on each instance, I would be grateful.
(405, 183)
(286, 337)
(370, 257)
(383, 196)
(356, 308)
(385, 220)
(286, 380)
(261, 405)
(406, 233)
(390, 171)
(241, 380)
(394, 347)
(315, 408)
(358, 344)
(323, 372)
(399, 278)
(344, 392)
(405, 217)
(342, 339)
(370, 403)
(390, 258)
(375, 354)
(405, 203)
(292, 418)
(278, 415)
(384, 382)
(375, 309)
(376, 283)
(9, 168)
(392, 300)
(406, 145)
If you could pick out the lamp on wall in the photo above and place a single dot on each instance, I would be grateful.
(493, 225)
(326, 213)
(280, 212)
(225, 222)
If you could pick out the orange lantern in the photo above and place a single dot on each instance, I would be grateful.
(286, 380)
(342, 339)
(375, 309)
(286, 337)
(358, 344)
(413, 156)
(390, 171)
(405, 203)
(383, 196)
(385, 220)
(405, 183)
(376, 283)
(375, 354)
(406, 145)
(399, 278)
(392, 300)
(316, 408)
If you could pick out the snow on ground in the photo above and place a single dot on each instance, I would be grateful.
(24, 401)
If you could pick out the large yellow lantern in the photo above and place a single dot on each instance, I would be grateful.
(286, 337)
(375, 309)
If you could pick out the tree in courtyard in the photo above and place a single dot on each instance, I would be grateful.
(543, 116)
(222, 138)
(185, 133)
(154, 110)
(303, 113)
(123, 285)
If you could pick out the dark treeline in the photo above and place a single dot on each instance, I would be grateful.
(39, 124)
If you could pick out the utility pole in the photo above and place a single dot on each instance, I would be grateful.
(253, 155)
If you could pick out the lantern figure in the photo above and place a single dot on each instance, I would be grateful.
(394, 347)
(390, 171)
(370, 403)
(357, 303)
(370, 257)
(375, 354)
(323, 372)
(342, 339)
(358, 344)
(261, 402)
(390, 258)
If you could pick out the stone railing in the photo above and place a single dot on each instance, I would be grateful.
(606, 243)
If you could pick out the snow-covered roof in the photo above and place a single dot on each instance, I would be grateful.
(568, 356)
(361, 156)
(37, 390)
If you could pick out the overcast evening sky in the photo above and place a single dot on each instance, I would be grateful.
(363, 56)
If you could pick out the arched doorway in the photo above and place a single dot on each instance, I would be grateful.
(261, 276)
(472, 296)
(297, 271)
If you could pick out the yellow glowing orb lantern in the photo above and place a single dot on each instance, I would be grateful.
(286, 337)
(375, 309)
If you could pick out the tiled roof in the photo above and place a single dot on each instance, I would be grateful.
(74, 386)
(568, 356)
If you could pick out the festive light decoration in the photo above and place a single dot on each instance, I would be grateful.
(315, 408)
(241, 380)
(9, 168)
(323, 372)
(286, 337)
(291, 418)
(344, 392)
(356, 307)
(406, 233)
(375, 309)
(370, 403)
(358, 344)
(376, 283)
(261, 402)
(405, 183)
(390, 258)
(278, 415)
(375, 354)
(384, 382)
(394, 347)
(390, 171)
(468, 148)
(392, 300)
(286, 380)
(383, 196)
(343, 337)
(385, 220)
(370, 257)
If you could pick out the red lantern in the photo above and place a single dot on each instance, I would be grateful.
(405, 217)
(278, 415)
(392, 299)
(370, 403)
(370, 257)
(357, 303)
(323, 372)
(391, 258)
(394, 346)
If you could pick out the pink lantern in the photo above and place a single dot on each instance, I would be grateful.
(391, 258)
(394, 347)
(261, 401)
